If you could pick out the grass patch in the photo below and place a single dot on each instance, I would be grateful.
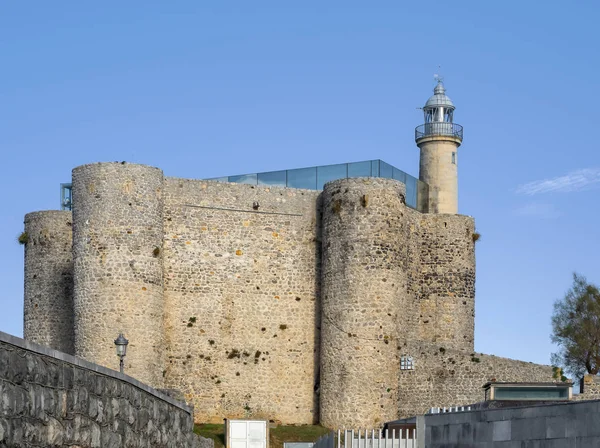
(212, 431)
(304, 433)
(277, 436)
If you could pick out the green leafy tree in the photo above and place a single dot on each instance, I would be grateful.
(576, 328)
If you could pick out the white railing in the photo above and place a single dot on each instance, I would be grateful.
(401, 438)
(450, 409)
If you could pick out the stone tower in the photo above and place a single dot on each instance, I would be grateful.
(439, 138)
(118, 266)
(48, 307)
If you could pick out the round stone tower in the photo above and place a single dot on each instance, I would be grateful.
(438, 139)
(48, 308)
(364, 300)
(117, 252)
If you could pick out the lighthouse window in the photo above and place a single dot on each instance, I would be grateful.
(454, 158)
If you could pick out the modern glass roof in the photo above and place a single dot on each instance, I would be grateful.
(315, 177)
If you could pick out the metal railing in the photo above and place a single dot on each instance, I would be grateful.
(439, 128)
(375, 438)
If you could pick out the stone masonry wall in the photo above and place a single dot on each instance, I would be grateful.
(51, 399)
(48, 307)
(364, 299)
(445, 377)
(589, 388)
(446, 284)
(220, 291)
(241, 299)
(118, 266)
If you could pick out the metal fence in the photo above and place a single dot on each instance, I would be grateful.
(402, 438)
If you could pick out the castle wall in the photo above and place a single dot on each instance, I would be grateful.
(241, 299)
(118, 269)
(220, 290)
(48, 307)
(365, 300)
(445, 377)
(446, 287)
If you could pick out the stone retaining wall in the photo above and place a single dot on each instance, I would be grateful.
(51, 399)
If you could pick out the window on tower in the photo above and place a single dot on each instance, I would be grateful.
(454, 158)
(407, 363)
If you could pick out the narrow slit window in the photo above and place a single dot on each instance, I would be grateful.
(454, 158)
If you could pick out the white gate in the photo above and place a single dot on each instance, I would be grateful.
(246, 434)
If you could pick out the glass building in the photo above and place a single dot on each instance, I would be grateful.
(314, 178)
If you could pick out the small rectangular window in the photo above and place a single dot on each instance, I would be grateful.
(454, 158)
(406, 363)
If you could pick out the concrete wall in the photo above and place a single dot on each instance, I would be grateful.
(48, 305)
(565, 425)
(241, 299)
(48, 398)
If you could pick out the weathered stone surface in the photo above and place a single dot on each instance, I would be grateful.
(278, 303)
(55, 400)
(241, 299)
(449, 377)
(117, 226)
(48, 307)
(365, 305)
(589, 388)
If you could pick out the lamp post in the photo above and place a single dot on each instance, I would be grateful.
(121, 344)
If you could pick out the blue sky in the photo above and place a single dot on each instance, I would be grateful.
(204, 89)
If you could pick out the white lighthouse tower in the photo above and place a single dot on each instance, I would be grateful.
(438, 139)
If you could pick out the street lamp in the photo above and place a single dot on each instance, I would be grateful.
(121, 344)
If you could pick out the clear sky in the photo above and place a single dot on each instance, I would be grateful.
(204, 89)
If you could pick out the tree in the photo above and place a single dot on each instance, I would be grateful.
(576, 328)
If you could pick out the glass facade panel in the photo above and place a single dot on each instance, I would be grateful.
(302, 178)
(411, 191)
(330, 172)
(375, 168)
(386, 170)
(66, 196)
(244, 179)
(314, 178)
(399, 175)
(359, 169)
(530, 393)
(275, 178)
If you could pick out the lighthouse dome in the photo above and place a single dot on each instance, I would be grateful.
(439, 98)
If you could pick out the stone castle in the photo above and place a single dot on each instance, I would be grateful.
(349, 306)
